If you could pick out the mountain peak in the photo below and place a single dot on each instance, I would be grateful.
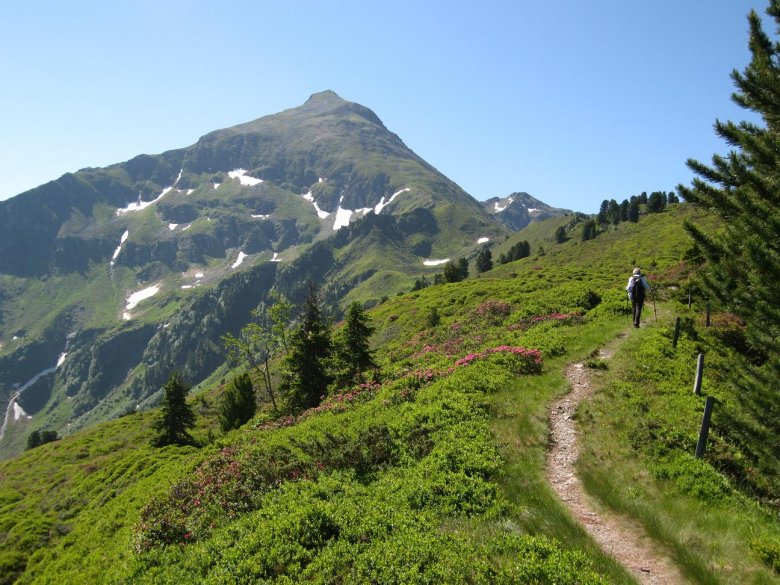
(329, 102)
(325, 97)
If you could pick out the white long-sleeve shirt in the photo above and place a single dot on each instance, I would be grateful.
(642, 280)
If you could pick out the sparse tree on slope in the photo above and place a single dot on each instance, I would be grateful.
(238, 403)
(176, 417)
(484, 260)
(589, 230)
(353, 350)
(260, 339)
(38, 438)
(307, 378)
(657, 202)
(633, 210)
(744, 260)
(456, 271)
(516, 252)
(624, 206)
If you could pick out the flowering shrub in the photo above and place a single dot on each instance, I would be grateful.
(338, 402)
(419, 378)
(519, 360)
(493, 312)
(563, 318)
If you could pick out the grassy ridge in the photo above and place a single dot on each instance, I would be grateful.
(640, 437)
(434, 475)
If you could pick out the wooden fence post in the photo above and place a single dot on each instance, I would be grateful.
(699, 370)
(676, 333)
(707, 323)
(701, 446)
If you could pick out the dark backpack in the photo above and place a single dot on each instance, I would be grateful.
(637, 290)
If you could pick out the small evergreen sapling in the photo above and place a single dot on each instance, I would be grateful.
(176, 417)
(238, 403)
(354, 356)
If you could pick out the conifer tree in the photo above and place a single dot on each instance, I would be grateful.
(484, 260)
(463, 268)
(38, 438)
(456, 271)
(743, 267)
(307, 376)
(353, 350)
(614, 212)
(238, 403)
(432, 319)
(176, 417)
(624, 206)
(588, 230)
(633, 210)
(657, 202)
(603, 216)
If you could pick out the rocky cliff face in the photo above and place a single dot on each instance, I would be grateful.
(519, 209)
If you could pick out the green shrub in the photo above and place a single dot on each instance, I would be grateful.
(693, 477)
(12, 564)
(536, 559)
(768, 552)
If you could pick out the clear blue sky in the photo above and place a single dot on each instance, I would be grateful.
(573, 102)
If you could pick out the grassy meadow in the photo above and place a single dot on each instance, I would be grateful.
(435, 471)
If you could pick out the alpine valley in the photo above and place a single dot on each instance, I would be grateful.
(112, 277)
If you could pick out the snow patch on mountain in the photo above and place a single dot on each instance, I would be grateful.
(122, 240)
(342, 216)
(243, 178)
(498, 208)
(13, 406)
(320, 213)
(19, 412)
(139, 205)
(239, 260)
(173, 226)
(381, 205)
(432, 262)
(135, 298)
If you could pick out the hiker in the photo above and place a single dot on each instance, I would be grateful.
(636, 287)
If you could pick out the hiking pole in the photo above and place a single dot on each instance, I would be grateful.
(655, 313)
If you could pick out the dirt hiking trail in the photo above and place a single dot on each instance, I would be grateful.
(619, 536)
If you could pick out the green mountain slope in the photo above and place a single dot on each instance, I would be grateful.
(436, 473)
(110, 277)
